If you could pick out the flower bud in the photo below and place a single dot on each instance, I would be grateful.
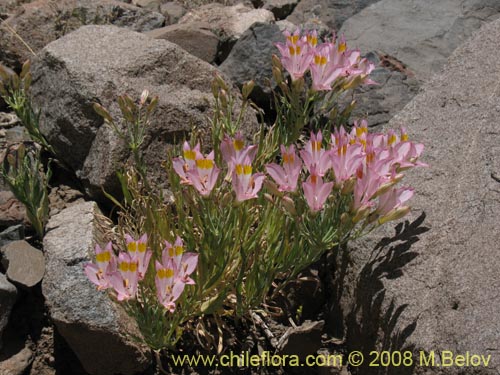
(362, 213)
(278, 75)
(348, 186)
(152, 106)
(276, 62)
(101, 111)
(395, 214)
(289, 205)
(25, 69)
(344, 218)
(226, 199)
(247, 89)
(223, 98)
(144, 97)
(221, 82)
(269, 197)
(271, 186)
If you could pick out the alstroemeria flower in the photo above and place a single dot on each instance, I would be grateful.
(393, 199)
(124, 280)
(168, 290)
(204, 175)
(296, 54)
(185, 263)
(139, 249)
(105, 264)
(346, 159)
(286, 176)
(187, 162)
(324, 71)
(316, 192)
(234, 149)
(245, 184)
(314, 156)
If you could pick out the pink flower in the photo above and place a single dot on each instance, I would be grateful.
(99, 272)
(185, 263)
(367, 184)
(346, 159)
(168, 289)
(138, 248)
(245, 184)
(124, 280)
(316, 192)
(187, 162)
(296, 53)
(324, 71)
(314, 156)
(286, 177)
(204, 175)
(234, 149)
(394, 199)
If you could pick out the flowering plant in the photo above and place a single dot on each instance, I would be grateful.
(251, 214)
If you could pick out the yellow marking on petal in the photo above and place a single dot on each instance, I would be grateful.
(352, 141)
(178, 250)
(363, 142)
(312, 40)
(404, 137)
(123, 266)
(132, 247)
(342, 150)
(342, 47)
(370, 156)
(392, 139)
(171, 252)
(103, 257)
(297, 50)
(291, 49)
(293, 39)
(189, 154)
(359, 132)
(238, 144)
(314, 179)
(142, 247)
(247, 169)
(205, 163)
(132, 267)
(239, 169)
(169, 272)
(316, 146)
(288, 159)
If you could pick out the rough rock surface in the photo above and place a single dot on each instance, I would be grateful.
(8, 295)
(228, 22)
(90, 65)
(197, 39)
(435, 284)
(173, 12)
(25, 265)
(280, 8)
(13, 233)
(420, 33)
(250, 59)
(332, 13)
(89, 321)
(11, 210)
(43, 21)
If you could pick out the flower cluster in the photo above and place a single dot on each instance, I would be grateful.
(368, 164)
(326, 61)
(124, 271)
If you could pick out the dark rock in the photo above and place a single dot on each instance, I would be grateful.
(95, 328)
(90, 65)
(8, 295)
(227, 22)
(250, 59)
(13, 233)
(25, 265)
(43, 21)
(303, 340)
(431, 283)
(280, 8)
(197, 39)
(332, 13)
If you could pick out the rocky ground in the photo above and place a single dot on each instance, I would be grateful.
(429, 283)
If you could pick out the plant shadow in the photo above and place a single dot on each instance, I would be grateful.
(370, 323)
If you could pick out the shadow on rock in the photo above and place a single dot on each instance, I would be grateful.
(372, 322)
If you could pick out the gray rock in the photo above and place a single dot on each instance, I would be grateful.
(90, 65)
(419, 33)
(11, 210)
(332, 13)
(228, 22)
(94, 327)
(25, 265)
(172, 11)
(434, 284)
(378, 103)
(8, 295)
(13, 233)
(197, 39)
(18, 363)
(250, 59)
(280, 8)
(43, 21)
(148, 4)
